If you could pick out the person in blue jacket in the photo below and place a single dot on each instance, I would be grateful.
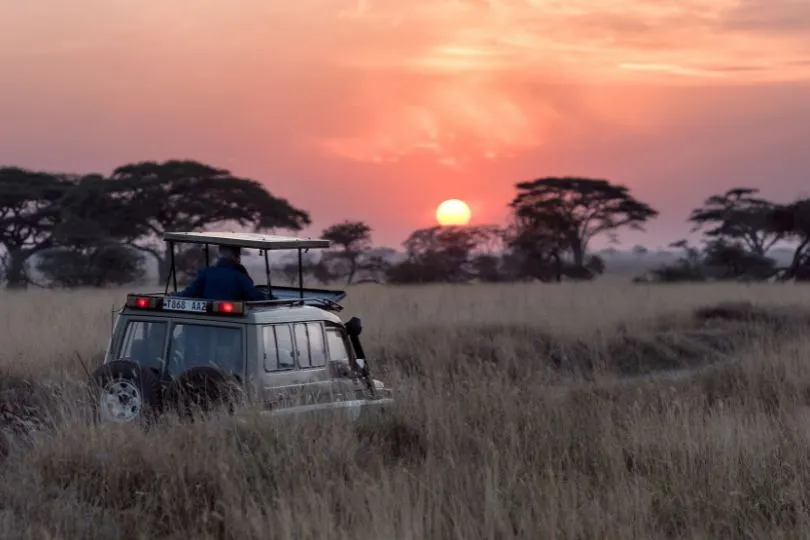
(226, 280)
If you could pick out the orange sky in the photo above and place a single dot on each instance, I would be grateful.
(378, 110)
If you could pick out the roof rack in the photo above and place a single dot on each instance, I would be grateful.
(263, 242)
(247, 240)
(322, 303)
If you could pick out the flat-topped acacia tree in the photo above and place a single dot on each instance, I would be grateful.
(738, 215)
(793, 221)
(576, 210)
(353, 239)
(191, 196)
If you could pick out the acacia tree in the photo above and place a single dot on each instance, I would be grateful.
(726, 259)
(793, 221)
(111, 264)
(354, 239)
(571, 211)
(86, 247)
(738, 215)
(377, 262)
(29, 213)
(535, 243)
(191, 196)
(441, 254)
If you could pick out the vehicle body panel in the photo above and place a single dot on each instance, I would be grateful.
(300, 388)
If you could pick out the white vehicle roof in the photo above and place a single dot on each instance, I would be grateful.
(248, 240)
(283, 314)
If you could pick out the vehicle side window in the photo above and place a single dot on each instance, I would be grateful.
(144, 343)
(338, 346)
(278, 348)
(317, 346)
(302, 345)
(310, 345)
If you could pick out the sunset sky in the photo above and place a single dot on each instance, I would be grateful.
(379, 110)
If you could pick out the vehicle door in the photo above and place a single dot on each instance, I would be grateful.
(294, 364)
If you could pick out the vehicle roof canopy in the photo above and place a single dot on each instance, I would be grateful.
(245, 239)
(265, 243)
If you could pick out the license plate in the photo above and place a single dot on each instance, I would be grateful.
(171, 303)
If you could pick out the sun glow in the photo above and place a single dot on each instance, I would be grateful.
(453, 212)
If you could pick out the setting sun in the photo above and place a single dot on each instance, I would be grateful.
(453, 212)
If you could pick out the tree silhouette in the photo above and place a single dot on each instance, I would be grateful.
(570, 211)
(86, 241)
(92, 230)
(377, 263)
(354, 239)
(534, 248)
(688, 267)
(29, 214)
(735, 260)
(440, 254)
(96, 266)
(793, 221)
(191, 196)
(738, 215)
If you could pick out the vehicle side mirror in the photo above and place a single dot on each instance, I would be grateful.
(354, 326)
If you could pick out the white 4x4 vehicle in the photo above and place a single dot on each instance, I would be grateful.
(293, 353)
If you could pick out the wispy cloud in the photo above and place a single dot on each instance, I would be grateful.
(673, 69)
(475, 57)
(771, 16)
(381, 80)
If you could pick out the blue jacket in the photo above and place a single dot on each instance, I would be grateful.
(223, 281)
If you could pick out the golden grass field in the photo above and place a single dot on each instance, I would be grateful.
(597, 410)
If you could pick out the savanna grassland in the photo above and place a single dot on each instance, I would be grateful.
(593, 410)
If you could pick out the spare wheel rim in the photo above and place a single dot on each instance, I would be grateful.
(120, 401)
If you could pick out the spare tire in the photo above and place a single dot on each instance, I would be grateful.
(203, 389)
(125, 392)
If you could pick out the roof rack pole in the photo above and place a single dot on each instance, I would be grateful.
(174, 268)
(267, 270)
(300, 273)
(170, 248)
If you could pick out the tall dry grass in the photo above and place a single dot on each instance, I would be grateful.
(526, 411)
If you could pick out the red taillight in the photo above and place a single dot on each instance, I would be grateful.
(140, 302)
(230, 308)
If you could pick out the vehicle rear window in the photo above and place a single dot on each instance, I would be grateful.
(144, 343)
(194, 345)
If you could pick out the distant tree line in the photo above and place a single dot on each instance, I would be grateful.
(739, 230)
(96, 230)
(552, 222)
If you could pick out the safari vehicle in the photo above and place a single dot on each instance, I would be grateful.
(291, 352)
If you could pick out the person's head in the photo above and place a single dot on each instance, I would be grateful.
(231, 253)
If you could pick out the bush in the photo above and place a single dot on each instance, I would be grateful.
(97, 266)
